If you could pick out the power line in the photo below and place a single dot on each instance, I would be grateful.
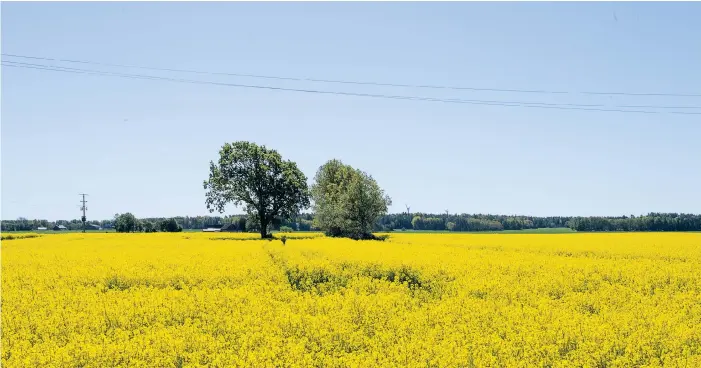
(474, 102)
(355, 82)
(86, 71)
(396, 97)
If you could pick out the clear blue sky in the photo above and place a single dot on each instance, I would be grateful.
(144, 146)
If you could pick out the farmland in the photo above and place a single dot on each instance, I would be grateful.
(415, 300)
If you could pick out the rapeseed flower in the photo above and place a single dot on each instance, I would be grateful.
(414, 300)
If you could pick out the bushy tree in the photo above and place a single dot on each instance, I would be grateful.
(148, 227)
(257, 177)
(328, 192)
(242, 224)
(348, 202)
(170, 226)
(125, 223)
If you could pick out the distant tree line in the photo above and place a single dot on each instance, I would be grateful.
(650, 222)
(480, 222)
(467, 222)
(302, 222)
(403, 221)
(346, 201)
(128, 223)
(23, 224)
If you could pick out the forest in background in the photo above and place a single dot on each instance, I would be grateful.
(414, 221)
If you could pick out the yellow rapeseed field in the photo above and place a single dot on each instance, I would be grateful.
(415, 300)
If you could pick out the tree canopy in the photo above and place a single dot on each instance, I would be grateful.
(148, 226)
(126, 223)
(347, 202)
(270, 188)
(170, 226)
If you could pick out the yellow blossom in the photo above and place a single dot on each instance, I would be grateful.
(414, 300)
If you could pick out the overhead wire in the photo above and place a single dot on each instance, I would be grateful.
(369, 95)
(658, 94)
(457, 100)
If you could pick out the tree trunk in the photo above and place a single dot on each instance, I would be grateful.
(263, 227)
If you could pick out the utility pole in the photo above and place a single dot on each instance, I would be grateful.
(83, 208)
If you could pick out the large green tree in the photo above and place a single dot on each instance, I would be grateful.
(247, 174)
(170, 226)
(148, 226)
(348, 202)
(126, 223)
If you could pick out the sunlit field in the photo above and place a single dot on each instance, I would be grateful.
(414, 300)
